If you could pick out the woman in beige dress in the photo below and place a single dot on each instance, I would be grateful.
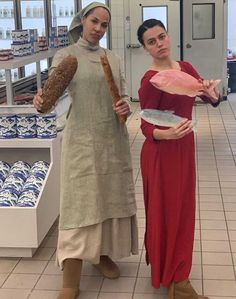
(98, 210)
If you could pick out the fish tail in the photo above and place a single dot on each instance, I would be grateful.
(216, 82)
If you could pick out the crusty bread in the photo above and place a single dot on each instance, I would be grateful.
(58, 81)
(111, 84)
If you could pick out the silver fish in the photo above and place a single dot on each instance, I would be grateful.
(162, 118)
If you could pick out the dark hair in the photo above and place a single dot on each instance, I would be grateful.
(147, 25)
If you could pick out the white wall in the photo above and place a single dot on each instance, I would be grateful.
(120, 33)
(118, 27)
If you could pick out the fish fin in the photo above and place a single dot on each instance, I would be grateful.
(211, 89)
(200, 93)
(216, 82)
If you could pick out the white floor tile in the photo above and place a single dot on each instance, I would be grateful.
(214, 256)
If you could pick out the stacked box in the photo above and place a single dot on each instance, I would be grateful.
(6, 54)
(33, 35)
(58, 37)
(42, 43)
(20, 36)
(53, 31)
(62, 30)
(24, 42)
(33, 39)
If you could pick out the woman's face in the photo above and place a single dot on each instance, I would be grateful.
(95, 25)
(157, 42)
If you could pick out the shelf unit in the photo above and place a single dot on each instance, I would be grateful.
(22, 229)
(22, 61)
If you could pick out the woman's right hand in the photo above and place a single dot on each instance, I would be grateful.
(180, 130)
(37, 100)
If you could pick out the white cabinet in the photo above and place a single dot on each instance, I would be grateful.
(22, 229)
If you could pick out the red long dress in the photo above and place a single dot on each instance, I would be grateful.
(168, 172)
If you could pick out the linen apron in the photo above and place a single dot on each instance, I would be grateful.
(96, 175)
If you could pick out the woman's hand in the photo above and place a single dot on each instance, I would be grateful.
(122, 108)
(179, 131)
(211, 90)
(37, 100)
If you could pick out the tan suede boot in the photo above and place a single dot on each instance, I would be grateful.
(71, 279)
(184, 290)
(171, 289)
(107, 267)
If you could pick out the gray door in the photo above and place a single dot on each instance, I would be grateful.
(204, 37)
(138, 61)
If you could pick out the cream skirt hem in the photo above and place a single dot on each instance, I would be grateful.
(117, 238)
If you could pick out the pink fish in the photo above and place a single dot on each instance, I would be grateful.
(181, 83)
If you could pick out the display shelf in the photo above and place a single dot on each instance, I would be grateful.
(22, 229)
(30, 18)
(64, 17)
(25, 143)
(22, 61)
(6, 18)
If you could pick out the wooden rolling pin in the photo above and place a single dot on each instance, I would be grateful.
(112, 85)
(57, 82)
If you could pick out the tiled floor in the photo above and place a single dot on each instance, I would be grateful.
(214, 259)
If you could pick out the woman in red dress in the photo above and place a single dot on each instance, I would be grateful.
(168, 170)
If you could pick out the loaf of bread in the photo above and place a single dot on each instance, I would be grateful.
(57, 82)
(112, 85)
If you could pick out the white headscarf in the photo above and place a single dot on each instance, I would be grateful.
(76, 27)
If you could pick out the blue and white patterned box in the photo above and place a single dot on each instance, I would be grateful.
(46, 125)
(13, 182)
(28, 198)
(21, 168)
(8, 198)
(4, 169)
(26, 125)
(7, 126)
(1, 182)
(40, 168)
(33, 182)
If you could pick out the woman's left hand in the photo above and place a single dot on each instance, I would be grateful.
(210, 90)
(122, 108)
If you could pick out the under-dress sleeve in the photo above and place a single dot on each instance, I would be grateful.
(58, 57)
(150, 98)
(191, 71)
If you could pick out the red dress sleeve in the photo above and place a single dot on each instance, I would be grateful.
(149, 98)
(186, 66)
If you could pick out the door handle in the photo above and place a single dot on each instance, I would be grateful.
(188, 46)
(133, 46)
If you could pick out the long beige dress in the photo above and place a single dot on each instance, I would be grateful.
(97, 213)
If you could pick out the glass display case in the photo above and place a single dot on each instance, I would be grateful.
(62, 12)
(7, 24)
(16, 15)
(33, 17)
